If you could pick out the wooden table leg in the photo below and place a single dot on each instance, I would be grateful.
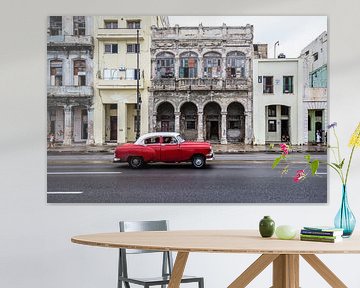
(253, 270)
(324, 271)
(178, 270)
(286, 271)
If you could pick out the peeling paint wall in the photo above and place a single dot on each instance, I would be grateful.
(227, 84)
(69, 95)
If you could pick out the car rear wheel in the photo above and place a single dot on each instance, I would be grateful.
(198, 161)
(136, 162)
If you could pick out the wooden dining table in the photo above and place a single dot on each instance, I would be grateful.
(283, 254)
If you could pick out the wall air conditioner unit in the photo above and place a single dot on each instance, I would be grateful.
(122, 68)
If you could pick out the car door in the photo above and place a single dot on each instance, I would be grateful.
(154, 143)
(170, 149)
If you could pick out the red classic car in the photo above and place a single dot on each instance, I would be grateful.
(163, 147)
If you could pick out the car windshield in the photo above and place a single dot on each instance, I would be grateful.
(180, 139)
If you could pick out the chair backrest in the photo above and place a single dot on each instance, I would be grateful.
(134, 226)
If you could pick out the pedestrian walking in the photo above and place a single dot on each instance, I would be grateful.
(318, 137)
(51, 140)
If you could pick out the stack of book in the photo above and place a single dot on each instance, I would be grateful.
(321, 234)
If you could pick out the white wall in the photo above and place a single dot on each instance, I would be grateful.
(35, 248)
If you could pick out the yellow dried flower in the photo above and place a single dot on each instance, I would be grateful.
(355, 138)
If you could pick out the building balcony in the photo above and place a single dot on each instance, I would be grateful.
(237, 84)
(315, 94)
(70, 91)
(116, 84)
(70, 40)
(119, 34)
(199, 84)
(166, 84)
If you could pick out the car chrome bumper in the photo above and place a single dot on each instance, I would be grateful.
(210, 157)
(116, 160)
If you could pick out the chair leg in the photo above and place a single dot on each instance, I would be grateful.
(201, 283)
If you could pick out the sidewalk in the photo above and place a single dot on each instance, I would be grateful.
(218, 148)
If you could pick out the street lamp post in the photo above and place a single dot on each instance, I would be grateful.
(277, 43)
(138, 99)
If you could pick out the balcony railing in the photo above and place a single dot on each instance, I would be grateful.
(70, 91)
(315, 94)
(119, 33)
(70, 40)
(119, 84)
(166, 84)
(237, 84)
(183, 84)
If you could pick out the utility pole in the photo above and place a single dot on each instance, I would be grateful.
(138, 99)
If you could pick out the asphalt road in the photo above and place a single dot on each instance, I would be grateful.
(237, 178)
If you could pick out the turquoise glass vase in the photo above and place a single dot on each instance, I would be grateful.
(345, 219)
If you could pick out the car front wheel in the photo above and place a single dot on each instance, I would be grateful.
(136, 162)
(198, 161)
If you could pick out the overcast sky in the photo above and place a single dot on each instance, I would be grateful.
(293, 32)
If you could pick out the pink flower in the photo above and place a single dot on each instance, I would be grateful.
(300, 175)
(284, 148)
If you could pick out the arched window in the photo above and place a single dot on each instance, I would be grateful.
(212, 65)
(235, 64)
(165, 67)
(188, 65)
(79, 73)
(56, 73)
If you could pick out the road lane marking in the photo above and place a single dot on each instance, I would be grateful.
(321, 173)
(81, 173)
(67, 192)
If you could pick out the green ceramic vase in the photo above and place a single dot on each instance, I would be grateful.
(266, 226)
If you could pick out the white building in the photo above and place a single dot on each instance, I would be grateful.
(315, 88)
(278, 89)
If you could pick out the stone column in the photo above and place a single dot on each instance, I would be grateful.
(68, 129)
(177, 122)
(249, 135)
(200, 67)
(122, 123)
(153, 123)
(200, 127)
(90, 126)
(223, 68)
(176, 66)
(223, 128)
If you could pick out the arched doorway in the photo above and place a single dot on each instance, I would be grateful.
(235, 121)
(212, 120)
(165, 119)
(188, 121)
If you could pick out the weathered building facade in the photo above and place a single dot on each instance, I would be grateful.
(116, 75)
(70, 79)
(315, 88)
(202, 82)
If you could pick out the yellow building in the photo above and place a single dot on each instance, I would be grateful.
(115, 73)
